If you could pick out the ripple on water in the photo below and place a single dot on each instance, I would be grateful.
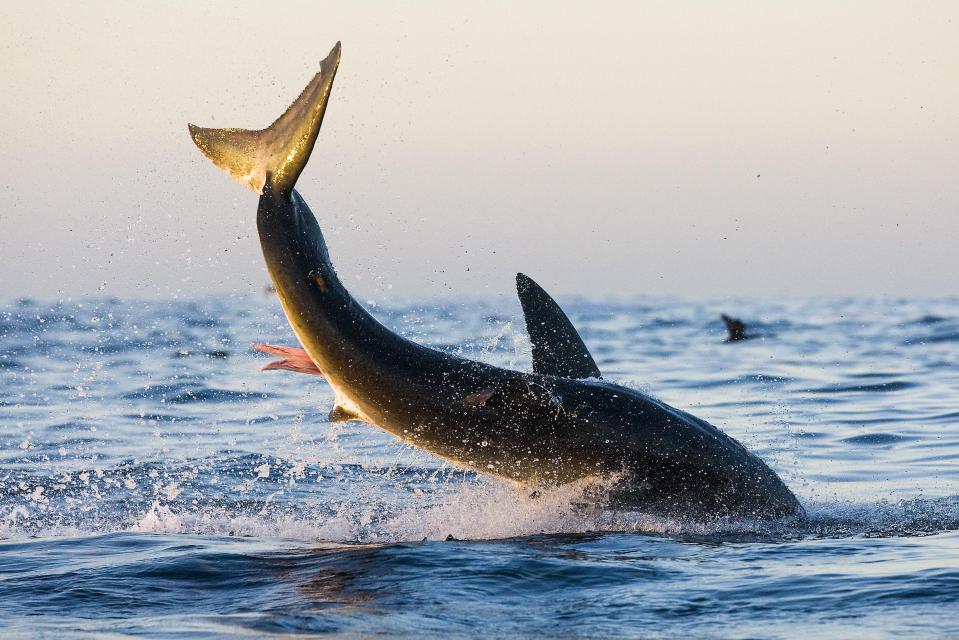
(936, 338)
(881, 387)
(878, 439)
(209, 394)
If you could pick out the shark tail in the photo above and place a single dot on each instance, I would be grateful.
(279, 152)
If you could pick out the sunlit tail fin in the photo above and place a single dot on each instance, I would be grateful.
(283, 148)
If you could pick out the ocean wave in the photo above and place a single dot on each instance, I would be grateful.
(287, 499)
(881, 387)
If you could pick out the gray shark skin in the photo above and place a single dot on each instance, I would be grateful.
(539, 429)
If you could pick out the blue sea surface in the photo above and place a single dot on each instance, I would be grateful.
(154, 482)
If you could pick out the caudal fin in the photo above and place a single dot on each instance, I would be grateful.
(282, 149)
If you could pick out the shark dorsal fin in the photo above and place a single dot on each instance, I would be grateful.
(735, 327)
(557, 348)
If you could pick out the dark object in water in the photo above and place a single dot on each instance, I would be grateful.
(736, 329)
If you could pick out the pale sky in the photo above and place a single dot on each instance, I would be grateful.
(603, 148)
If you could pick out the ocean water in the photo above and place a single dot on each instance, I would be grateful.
(154, 482)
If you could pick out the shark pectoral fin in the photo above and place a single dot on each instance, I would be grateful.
(340, 414)
(280, 151)
(557, 348)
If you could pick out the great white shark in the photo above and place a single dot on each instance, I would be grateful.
(558, 424)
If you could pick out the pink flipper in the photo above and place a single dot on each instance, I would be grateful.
(295, 359)
(275, 350)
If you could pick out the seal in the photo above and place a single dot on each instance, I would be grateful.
(558, 424)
